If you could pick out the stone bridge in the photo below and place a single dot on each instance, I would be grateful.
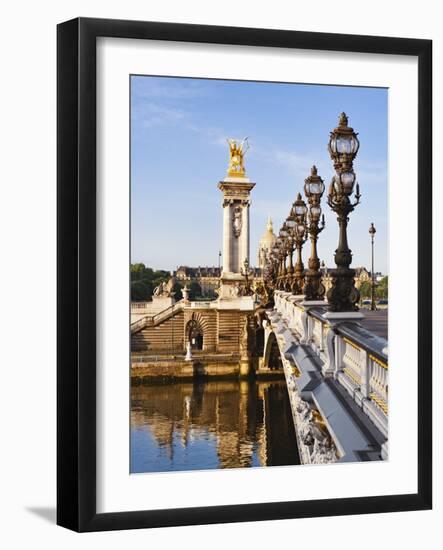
(337, 377)
(336, 370)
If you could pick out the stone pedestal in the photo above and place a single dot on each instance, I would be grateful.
(307, 326)
(185, 293)
(245, 367)
(160, 303)
(188, 352)
(334, 319)
(231, 286)
(236, 202)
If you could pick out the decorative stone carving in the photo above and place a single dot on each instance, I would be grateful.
(237, 151)
(315, 441)
(165, 289)
(322, 453)
(244, 336)
(237, 221)
(185, 293)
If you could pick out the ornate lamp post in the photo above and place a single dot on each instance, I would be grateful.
(343, 147)
(289, 247)
(297, 221)
(271, 271)
(287, 252)
(279, 261)
(372, 232)
(265, 291)
(314, 188)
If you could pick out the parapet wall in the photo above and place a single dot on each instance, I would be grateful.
(337, 376)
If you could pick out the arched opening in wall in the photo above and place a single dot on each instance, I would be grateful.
(272, 358)
(194, 334)
(275, 362)
(260, 317)
(260, 340)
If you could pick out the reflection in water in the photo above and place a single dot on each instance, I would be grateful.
(202, 425)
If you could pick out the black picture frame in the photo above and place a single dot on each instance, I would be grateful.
(76, 293)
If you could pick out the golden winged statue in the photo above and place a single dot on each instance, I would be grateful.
(237, 151)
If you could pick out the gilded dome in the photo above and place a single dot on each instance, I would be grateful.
(268, 239)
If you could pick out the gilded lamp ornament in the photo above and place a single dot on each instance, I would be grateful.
(343, 147)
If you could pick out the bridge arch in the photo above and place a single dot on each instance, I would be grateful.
(271, 354)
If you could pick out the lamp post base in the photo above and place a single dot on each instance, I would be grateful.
(343, 296)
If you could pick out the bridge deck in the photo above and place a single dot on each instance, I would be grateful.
(376, 322)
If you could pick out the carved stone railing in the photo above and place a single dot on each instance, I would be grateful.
(347, 352)
(137, 307)
(378, 383)
(168, 312)
(154, 320)
(140, 324)
(284, 304)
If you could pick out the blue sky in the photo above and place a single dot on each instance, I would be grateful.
(179, 153)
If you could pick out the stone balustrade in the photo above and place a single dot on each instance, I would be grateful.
(347, 353)
(137, 306)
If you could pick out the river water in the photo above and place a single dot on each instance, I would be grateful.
(216, 424)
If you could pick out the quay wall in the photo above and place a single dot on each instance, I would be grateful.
(214, 367)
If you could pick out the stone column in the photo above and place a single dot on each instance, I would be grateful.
(226, 237)
(236, 193)
(244, 245)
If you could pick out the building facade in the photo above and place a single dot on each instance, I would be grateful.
(208, 278)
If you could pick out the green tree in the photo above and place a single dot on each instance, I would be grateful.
(144, 280)
(141, 290)
(365, 290)
(195, 290)
(177, 290)
(382, 289)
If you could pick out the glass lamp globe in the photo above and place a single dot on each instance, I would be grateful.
(314, 185)
(300, 210)
(315, 188)
(315, 212)
(290, 220)
(344, 183)
(300, 230)
(343, 139)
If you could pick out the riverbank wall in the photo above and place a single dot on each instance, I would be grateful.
(146, 369)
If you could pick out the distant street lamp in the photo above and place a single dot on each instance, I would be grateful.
(372, 232)
(287, 252)
(314, 188)
(343, 147)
